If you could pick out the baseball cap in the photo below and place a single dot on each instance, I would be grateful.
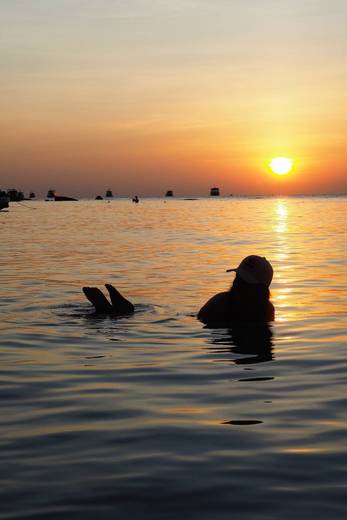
(255, 269)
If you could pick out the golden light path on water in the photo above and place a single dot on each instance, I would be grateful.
(284, 290)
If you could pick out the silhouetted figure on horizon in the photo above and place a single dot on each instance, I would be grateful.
(136, 199)
(246, 301)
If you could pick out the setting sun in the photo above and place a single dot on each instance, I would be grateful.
(281, 165)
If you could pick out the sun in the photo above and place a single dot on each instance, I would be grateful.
(281, 165)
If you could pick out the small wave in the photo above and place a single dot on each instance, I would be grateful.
(256, 379)
(242, 423)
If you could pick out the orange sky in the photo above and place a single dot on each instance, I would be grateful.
(158, 96)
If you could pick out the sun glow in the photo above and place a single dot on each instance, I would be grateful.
(281, 165)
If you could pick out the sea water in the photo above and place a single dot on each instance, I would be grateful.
(154, 416)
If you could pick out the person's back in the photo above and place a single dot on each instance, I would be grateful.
(248, 298)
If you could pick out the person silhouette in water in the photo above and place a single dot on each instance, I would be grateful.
(248, 299)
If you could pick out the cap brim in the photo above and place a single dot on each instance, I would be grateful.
(247, 277)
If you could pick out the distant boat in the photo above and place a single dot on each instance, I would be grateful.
(4, 200)
(51, 196)
(15, 195)
(214, 192)
(59, 198)
(109, 194)
(169, 193)
(99, 197)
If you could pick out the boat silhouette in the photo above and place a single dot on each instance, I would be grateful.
(214, 192)
(51, 196)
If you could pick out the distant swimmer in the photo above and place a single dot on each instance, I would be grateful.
(248, 299)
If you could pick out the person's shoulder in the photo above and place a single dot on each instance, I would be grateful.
(219, 298)
(214, 307)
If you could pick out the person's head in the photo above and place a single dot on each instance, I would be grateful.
(253, 274)
(254, 269)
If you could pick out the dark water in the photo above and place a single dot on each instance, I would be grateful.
(155, 416)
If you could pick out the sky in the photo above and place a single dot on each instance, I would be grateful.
(142, 96)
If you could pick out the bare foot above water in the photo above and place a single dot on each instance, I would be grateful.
(119, 307)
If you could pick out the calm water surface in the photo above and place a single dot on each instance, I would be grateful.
(154, 416)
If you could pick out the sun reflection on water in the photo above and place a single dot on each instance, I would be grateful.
(282, 215)
(281, 257)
